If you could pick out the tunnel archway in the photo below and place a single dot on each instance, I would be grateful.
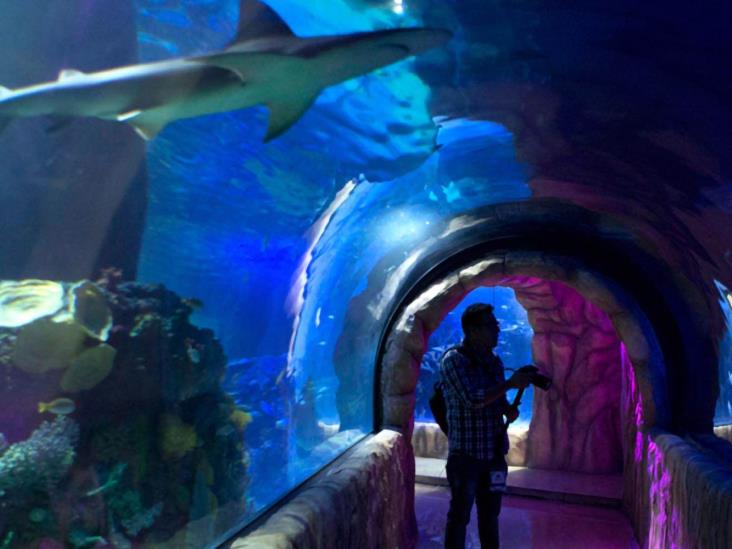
(624, 262)
(407, 340)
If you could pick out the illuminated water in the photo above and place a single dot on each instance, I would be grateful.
(222, 393)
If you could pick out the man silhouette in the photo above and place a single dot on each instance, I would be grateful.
(475, 393)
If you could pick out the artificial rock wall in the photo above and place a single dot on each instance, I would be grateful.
(365, 499)
(677, 491)
(575, 426)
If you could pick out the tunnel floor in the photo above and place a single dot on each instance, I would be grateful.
(528, 523)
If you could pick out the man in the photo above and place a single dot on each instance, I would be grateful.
(475, 393)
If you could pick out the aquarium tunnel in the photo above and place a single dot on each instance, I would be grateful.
(238, 237)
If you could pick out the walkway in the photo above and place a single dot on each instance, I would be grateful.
(592, 521)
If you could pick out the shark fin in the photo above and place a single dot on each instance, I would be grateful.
(146, 127)
(65, 74)
(125, 116)
(5, 92)
(257, 20)
(283, 114)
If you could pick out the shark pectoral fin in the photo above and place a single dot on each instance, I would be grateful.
(284, 113)
(5, 92)
(146, 126)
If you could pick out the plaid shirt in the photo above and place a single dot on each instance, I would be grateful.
(474, 427)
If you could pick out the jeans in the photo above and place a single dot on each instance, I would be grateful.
(470, 482)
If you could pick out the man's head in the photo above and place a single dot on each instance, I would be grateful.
(480, 326)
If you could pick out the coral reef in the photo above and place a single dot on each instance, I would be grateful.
(53, 321)
(146, 440)
(38, 462)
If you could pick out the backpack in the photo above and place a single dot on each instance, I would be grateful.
(437, 403)
(438, 407)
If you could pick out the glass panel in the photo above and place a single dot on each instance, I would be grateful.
(723, 412)
(172, 308)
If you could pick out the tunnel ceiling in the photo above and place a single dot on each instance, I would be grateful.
(622, 108)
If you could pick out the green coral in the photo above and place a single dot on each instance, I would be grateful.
(40, 461)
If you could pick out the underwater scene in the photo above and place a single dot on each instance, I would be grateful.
(194, 195)
(514, 348)
(167, 326)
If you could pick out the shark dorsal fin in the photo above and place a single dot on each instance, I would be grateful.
(257, 20)
(5, 92)
(69, 73)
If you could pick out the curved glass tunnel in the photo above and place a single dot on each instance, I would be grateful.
(193, 317)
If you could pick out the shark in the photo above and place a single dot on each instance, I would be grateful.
(265, 64)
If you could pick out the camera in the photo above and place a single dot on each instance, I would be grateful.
(539, 380)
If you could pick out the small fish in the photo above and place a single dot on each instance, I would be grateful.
(59, 406)
(281, 375)
(281, 424)
(115, 475)
(194, 303)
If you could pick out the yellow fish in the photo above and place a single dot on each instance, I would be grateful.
(59, 406)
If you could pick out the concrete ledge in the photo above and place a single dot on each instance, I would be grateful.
(364, 500)
(429, 441)
(682, 492)
(724, 432)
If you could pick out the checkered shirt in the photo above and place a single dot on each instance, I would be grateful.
(475, 429)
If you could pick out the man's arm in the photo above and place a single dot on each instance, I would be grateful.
(454, 376)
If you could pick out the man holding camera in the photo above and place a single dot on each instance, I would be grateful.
(475, 389)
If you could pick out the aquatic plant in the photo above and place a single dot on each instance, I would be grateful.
(40, 461)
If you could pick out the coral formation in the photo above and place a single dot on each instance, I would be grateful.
(38, 462)
(27, 300)
(88, 368)
(176, 438)
(152, 441)
(52, 320)
(240, 419)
